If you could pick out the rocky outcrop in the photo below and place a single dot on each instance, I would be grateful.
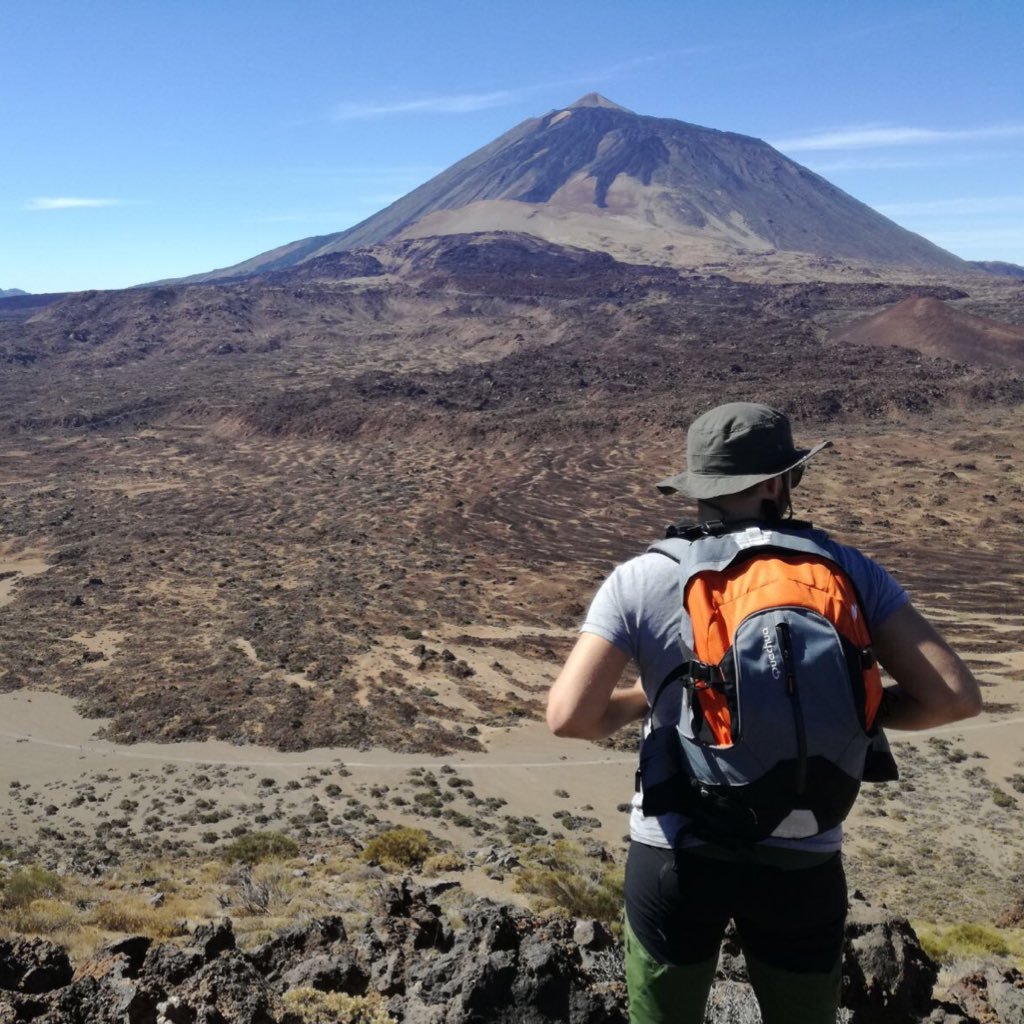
(503, 965)
(887, 976)
(989, 994)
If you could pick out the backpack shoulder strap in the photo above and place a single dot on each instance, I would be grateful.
(674, 547)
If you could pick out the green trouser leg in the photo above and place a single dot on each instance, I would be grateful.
(667, 994)
(791, 997)
(664, 993)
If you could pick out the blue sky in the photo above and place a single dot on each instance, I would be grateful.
(150, 140)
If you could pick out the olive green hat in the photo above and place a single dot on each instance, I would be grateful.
(735, 446)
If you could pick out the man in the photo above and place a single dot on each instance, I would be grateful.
(787, 897)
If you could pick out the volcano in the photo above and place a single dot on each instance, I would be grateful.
(644, 189)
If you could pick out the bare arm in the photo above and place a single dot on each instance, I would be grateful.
(933, 686)
(584, 702)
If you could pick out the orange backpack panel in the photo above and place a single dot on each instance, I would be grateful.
(717, 602)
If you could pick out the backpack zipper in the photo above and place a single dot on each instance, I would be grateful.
(786, 648)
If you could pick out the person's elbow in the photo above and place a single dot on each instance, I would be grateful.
(566, 722)
(962, 699)
(558, 721)
(967, 702)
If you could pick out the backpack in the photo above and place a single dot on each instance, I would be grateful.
(778, 728)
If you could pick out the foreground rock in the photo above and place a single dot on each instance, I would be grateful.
(503, 965)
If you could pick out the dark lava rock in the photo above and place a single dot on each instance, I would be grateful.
(213, 939)
(334, 972)
(33, 966)
(887, 976)
(228, 990)
(505, 965)
(297, 945)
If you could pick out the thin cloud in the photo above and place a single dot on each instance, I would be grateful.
(367, 173)
(875, 136)
(892, 163)
(69, 203)
(460, 103)
(467, 103)
(965, 206)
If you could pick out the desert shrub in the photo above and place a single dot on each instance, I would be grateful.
(134, 916)
(447, 861)
(42, 917)
(399, 848)
(315, 1007)
(265, 892)
(20, 887)
(259, 846)
(1001, 798)
(962, 940)
(562, 875)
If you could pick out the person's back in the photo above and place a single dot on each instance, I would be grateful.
(787, 896)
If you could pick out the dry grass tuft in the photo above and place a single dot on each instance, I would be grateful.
(315, 1007)
(131, 915)
(561, 875)
(441, 862)
(50, 917)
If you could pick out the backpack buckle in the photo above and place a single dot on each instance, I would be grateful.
(700, 676)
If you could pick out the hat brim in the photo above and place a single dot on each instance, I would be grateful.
(713, 485)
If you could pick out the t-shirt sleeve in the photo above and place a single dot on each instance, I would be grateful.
(878, 590)
(607, 615)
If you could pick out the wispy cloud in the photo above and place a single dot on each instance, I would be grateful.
(367, 172)
(357, 209)
(893, 163)
(69, 203)
(880, 136)
(1013, 233)
(459, 103)
(965, 206)
(467, 103)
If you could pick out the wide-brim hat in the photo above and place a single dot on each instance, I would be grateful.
(734, 446)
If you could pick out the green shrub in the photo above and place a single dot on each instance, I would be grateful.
(562, 875)
(1001, 798)
(315, 1007)
(23, 885)
(400, 848)
(962, 940)
(259, 846)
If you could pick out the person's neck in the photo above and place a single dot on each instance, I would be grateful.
(708, 512)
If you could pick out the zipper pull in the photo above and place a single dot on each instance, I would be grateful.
(786, 648)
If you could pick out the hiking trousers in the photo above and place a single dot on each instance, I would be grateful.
(789, 915)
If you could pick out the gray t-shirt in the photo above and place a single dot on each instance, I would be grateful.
(638, 609)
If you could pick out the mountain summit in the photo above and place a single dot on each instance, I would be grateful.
(595, 99)
(645, 189)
